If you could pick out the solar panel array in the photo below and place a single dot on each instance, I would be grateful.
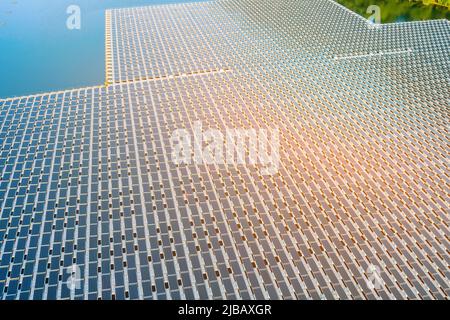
(93, 206)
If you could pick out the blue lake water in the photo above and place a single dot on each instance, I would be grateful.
(38, 53)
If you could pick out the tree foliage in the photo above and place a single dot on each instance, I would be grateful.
(402, 10)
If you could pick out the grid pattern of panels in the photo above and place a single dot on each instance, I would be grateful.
(87, 177)
(327, 28)
(167, 40)
(171, 40)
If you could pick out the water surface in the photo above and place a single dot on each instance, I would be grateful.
(38, 53)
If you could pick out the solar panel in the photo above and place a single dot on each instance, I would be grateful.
(94, 207)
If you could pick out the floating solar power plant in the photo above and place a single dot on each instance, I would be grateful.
(93, 205)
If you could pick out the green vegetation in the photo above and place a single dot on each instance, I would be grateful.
(445, 3)
(402, 10)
